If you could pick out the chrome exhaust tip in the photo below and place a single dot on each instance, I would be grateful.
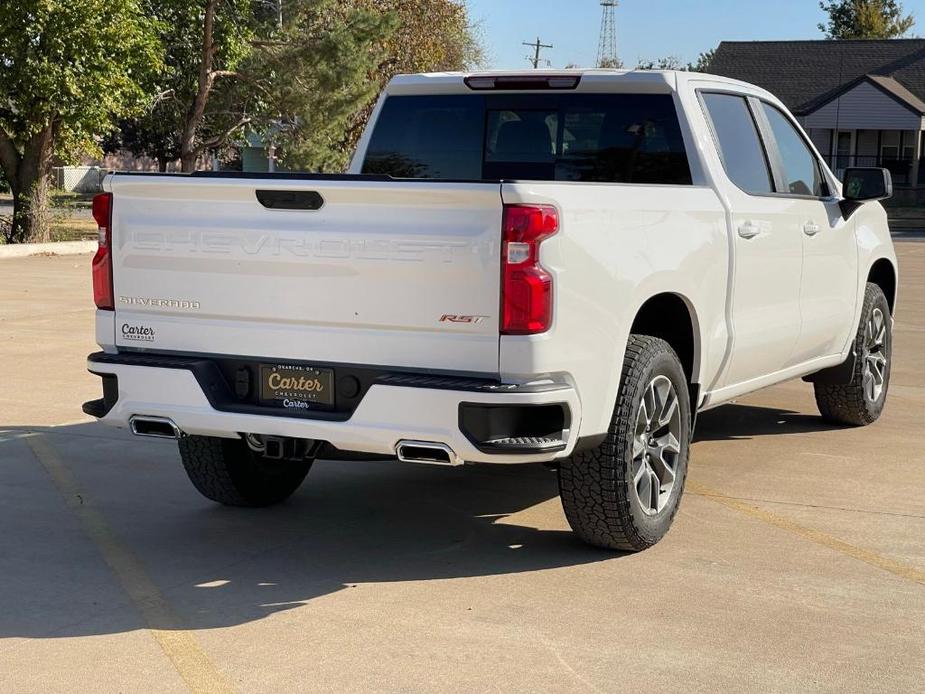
(429, 452)
(154, 427)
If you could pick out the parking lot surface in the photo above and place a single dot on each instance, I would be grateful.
(796, 563)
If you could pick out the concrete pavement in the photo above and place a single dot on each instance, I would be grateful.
(796, 563)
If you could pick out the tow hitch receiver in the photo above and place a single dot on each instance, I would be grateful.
(282, 448)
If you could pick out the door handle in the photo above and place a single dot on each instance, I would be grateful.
(749, 230)
(810, 228)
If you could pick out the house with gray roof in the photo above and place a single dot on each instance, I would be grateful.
(862, 102)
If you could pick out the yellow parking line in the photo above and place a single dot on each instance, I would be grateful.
(180, 646)
(894, 567)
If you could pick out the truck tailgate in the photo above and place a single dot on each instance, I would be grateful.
(383, 272)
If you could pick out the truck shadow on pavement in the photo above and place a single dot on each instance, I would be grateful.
(351, 524)
(729, 422)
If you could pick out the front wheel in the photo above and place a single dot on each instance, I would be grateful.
(624, 493)
(229, 472)
(861, 400)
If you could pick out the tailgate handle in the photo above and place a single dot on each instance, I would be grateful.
(290, 199)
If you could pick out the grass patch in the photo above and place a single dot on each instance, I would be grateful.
(73, 229)
(60, 199)
(67, 218)
(67, 228)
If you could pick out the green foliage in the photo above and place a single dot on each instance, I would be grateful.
(431, 36)
(703, 61)
(611, 64)
(157, 131)
(865, 19)
(669, 62)
(69, 69)
(316, 76)
(305, 80)
(381, 38)
(672, 62)
(74, 64)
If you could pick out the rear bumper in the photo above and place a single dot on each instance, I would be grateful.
(392, 409)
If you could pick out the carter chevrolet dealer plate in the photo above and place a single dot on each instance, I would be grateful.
(296, 387)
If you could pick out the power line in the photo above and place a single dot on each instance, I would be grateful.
(536, 54)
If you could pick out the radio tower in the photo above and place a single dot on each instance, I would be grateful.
(607, 47)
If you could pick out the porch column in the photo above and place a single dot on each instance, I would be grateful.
(916, 158)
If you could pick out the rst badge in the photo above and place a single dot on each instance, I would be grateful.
(455, 318)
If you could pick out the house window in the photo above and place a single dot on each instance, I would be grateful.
(844, 144)
(909, 145)
(843, 150)
(890, 142)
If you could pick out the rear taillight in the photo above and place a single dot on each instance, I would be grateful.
(102, 261)
(526, 287)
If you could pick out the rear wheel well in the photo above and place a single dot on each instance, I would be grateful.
(883, 274)
(668, 317)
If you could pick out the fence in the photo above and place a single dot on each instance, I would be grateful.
(79, 179)
(900, 168)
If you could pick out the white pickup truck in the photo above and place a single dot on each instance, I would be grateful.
(557, 267)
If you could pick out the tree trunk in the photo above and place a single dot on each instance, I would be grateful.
(162, 164)
(189, 151)
(30, 188)
(31, 218)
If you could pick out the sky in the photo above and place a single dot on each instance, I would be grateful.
(646, 29)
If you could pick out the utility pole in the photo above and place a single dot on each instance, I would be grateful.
(536, 53)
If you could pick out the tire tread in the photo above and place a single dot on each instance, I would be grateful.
(591, 482)
(225, 471)
(846, 403)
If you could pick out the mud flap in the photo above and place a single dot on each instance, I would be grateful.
(835, 375)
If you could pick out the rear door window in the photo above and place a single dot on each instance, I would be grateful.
(615, 138)
(739, 145)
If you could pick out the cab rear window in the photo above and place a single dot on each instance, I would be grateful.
(610, 138)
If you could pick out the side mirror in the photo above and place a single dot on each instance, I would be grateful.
(860, 185)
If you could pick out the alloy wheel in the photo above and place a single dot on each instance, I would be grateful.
(875, 356)
(656, 445)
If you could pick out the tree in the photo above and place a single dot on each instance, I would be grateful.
(302, 74)
(611, 64)
(315, 76)
(154, 134)
(69, 69)
(865, 19)
(223, 42)
(205, 42)
(670, 62)
(703, 61)
(415, 36)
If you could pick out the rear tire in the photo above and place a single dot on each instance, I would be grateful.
(227, 471)
(860, 401)
(624, 493)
